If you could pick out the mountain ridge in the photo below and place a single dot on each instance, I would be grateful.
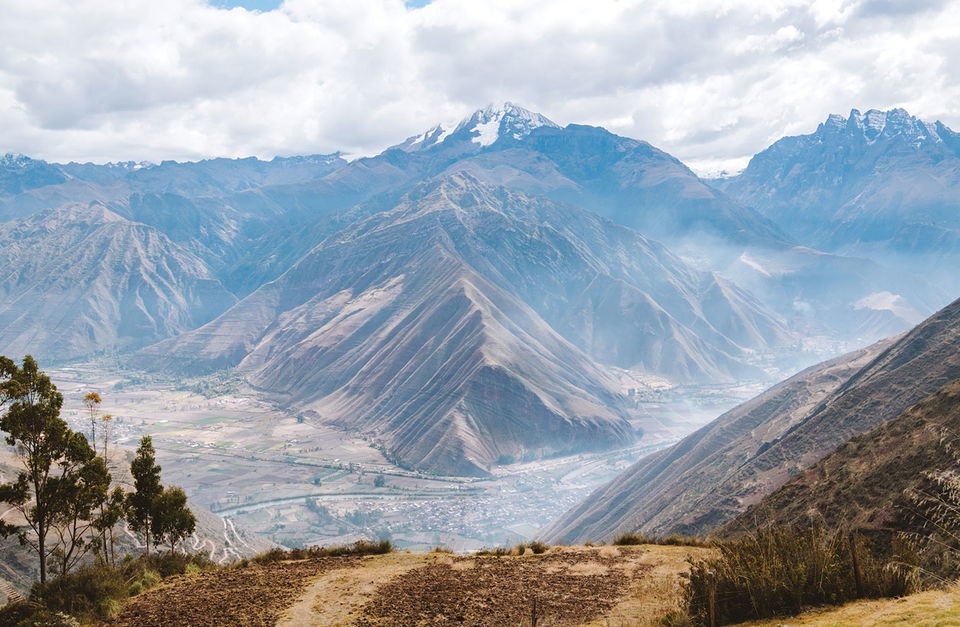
(702, 495)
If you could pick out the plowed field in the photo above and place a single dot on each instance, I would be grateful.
(565, 586)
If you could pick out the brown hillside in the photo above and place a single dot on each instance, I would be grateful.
(718, 472)
(861, 484)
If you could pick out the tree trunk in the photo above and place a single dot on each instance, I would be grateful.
(41, 541)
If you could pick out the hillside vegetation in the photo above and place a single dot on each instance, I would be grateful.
(864, 483)
(718, 472)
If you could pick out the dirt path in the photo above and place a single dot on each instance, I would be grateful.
(336, 598)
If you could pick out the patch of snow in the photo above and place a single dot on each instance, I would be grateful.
(14, 160)
(494, 120)
(752, 263)
(488, 132)
(894, 303)
(717, 168)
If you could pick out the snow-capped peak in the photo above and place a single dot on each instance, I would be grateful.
(483, 127)
(14, 160)
(506, 119)
(895, 122)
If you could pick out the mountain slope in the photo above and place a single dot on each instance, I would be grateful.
(81, 280)
(463, 325)
(716, 473)
(639, 186)
(880, 184)
(862, 483)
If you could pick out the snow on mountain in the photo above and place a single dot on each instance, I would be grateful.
(484, 127)
(495, 121)
(875, 125)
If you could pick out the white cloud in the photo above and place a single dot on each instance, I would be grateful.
(711, 82)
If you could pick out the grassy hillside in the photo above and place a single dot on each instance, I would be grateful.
(861, 484)
(934, 608)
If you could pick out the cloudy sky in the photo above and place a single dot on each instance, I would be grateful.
(711, 82)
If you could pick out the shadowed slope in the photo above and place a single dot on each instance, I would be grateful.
(716, 473)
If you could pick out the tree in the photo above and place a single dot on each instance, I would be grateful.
(105, 419)
(54, 458)
(147, 487)
(81, 490)
(92, 402)
(172, 519)
(112, 512)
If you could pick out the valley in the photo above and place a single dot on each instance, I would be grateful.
(296, 481)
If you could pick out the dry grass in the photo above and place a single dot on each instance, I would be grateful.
(935, 608)
(658, 591)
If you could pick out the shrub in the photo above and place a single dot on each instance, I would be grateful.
(95, 592)
(675, 618)
(538, 547)
(29, 614)
(360, 547)
(773, 572)
(83, 593)
(628, 539)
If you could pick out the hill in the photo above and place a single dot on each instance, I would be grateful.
(878, 184)
(715, 474)
(862, 484)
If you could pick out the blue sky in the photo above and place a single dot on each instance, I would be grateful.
(710, 81)
(258, 5)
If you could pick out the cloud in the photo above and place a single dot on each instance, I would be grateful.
(711, 82)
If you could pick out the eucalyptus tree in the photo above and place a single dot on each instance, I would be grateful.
(62, 480)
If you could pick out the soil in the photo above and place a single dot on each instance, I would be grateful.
(247, 596)
(558, 588)
(596, 586)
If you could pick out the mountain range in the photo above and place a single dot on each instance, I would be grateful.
(460, 298)
(881, 185)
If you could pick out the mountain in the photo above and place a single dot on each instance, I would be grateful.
(880, 184)
(862, 484)
(251, 220)
(81, 280)
(637, 185)
(713, 475)
(469, 323)
(626, 180)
